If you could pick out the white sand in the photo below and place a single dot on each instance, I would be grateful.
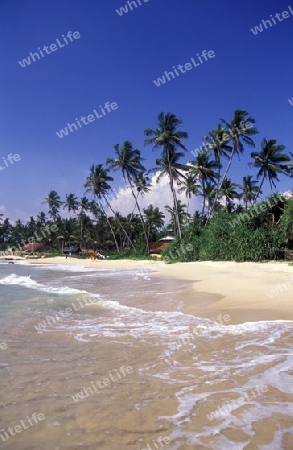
(240, 287)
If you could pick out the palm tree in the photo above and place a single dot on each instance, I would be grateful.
(41, 219)
(128, 160)
(290, 166)
(67, 229)
(5, 231)
(190, 187)
(210, 194)
(154, 219)
(238, 132)
(249, 190)
(31, 226)
(54, 203)
(181, 210)
(169, 138)
(204, 170)
(71, 203)
(142, 185)
(270, 161)
(228, 191)
(83, 206)
(97, 184)
(18, 232)
(216, 140)
(177, 169)
(95, 210)
(86, 223)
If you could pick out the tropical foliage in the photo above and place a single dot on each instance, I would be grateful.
(92, 222)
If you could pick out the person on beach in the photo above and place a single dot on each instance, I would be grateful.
(99, 256)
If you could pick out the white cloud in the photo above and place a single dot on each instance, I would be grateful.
(159, 196)
(288, 194)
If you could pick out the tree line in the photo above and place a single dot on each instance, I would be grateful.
(205, 176)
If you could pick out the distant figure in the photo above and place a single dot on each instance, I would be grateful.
(99, 256)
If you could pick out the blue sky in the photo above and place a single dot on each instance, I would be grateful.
(116, 59)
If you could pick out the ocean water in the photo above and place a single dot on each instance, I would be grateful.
(106, 359)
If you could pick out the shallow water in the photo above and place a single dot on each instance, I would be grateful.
(111, 362)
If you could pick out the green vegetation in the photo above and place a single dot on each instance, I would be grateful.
(231, 223)
(256, 237)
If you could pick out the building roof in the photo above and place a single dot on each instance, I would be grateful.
(32, 247)
(167, 238)
(71, 249)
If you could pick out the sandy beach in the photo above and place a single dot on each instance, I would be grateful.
(246, 291)
(197, 337)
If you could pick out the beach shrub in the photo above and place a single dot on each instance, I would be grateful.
(220, 240)
(186, 249)
(246, 242)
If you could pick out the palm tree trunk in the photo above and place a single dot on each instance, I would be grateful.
(110, 226)
(175, 207)
(213, 205)
(222, 180)
(81, 230)
(259, 189)
(117, 218)
(113, 234)
(187, 209)
(204, 198)
(140, 215)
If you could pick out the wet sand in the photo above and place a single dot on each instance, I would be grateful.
(239, 289)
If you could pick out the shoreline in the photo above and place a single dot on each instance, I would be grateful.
(241, 290)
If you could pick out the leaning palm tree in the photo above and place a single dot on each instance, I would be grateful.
(129, 161)
(97, 183)
(238, 133)
(204, 170)
(142, 183)
(217, 141)
(249, 190)
(270, 161)
(53, 201)
(102, 173)
(143, 186)
(169, 138)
